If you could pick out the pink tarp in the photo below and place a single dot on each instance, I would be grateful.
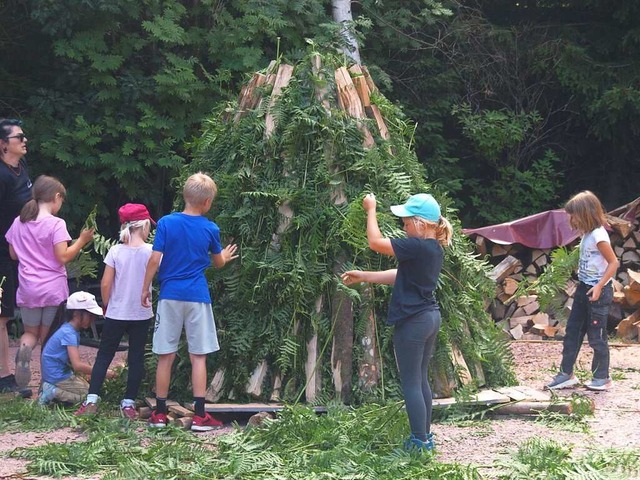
(544, 230)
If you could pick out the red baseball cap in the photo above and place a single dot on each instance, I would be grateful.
(131, 212)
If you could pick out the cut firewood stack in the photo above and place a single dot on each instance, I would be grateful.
(522, 318)
(629, 298)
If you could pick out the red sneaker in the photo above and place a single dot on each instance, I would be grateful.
(206, 423)
(158, 420)
(86, 409)
(129, 412)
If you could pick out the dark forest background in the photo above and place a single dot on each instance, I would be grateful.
(517, 104)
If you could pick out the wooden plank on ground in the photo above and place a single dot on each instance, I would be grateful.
(180, 410)
(533, 394)
(489, 397)
(152, 402)
(248, 407)
(512, 393)
(443, 402)
(483, 397)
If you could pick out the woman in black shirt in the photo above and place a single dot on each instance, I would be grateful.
(15, 191)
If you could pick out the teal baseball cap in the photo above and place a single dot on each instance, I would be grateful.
(421, 205)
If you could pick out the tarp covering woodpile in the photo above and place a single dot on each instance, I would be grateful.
(520, 250)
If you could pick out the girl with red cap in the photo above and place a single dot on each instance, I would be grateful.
(121, 286)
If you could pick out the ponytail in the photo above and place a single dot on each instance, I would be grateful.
(444, 232)
(30, 211)
(127, 229)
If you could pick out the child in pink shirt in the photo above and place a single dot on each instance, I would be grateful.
(40, 242)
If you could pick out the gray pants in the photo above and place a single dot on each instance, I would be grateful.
(588, 318)
(414, 342)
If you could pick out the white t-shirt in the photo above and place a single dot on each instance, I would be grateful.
(130, 264)
(592, 264)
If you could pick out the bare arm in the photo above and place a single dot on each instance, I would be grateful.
(106, 284)
(385, 277)
(377, 242)
(152, 268)
(612, 267)
(12, 253)
(79, 366)
(227, 254)
(64, 252)
(76, 363)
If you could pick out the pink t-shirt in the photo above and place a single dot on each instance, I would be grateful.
(42, 278)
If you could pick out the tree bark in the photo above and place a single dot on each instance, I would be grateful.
(342, 15)
(342, 351)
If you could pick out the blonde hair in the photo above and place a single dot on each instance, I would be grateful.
(127, 229)
(444, 230)
(587, 213)
(44, 190)
(199, 188)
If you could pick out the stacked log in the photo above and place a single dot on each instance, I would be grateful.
(521, 317)
(629, 299)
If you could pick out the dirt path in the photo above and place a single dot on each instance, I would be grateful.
(615, 423)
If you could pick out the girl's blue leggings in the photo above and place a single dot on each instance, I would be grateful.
(414, 342)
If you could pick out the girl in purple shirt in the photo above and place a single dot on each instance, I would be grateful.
(39, 240)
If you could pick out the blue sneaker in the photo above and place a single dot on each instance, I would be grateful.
(414, 443)
(47, 393)
(600, 384)
(562, 380)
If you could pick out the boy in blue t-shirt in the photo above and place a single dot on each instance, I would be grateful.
(186, 242)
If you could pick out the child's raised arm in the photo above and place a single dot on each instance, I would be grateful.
(227, 254)
(65, 253)
(377, 242)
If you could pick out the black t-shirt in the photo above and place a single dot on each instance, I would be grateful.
(15, 191)
(419, 265)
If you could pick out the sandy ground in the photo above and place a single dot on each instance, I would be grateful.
(615, 423)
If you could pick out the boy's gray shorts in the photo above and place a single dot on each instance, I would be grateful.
(197, 319)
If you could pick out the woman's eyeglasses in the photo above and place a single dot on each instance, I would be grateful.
(21, 137)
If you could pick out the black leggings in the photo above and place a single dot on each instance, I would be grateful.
(112, 333)
(414, 342)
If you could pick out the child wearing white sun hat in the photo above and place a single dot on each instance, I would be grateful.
(60, 359)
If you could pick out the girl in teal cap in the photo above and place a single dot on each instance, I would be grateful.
(413, 310)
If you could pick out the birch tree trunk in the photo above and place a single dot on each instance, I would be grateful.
(341, 305)
(342, 15)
